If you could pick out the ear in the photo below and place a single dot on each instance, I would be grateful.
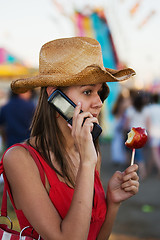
(50, 90)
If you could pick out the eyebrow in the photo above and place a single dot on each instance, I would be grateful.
(92, 85)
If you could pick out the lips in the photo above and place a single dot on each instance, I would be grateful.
(95, 115)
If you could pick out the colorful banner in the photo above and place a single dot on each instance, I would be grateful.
(95, 25)
(83, 25)
(6, 57)
(135, 8)
(146, 19)
(11, 67)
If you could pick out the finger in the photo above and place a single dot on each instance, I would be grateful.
(77, 110)
(132, 168)
(69, 125)
(130, 183)
(82, 118)
(134, 189)
(74, 119)
(87, 127)
(89, 123)
(91, 120)
(132, 175)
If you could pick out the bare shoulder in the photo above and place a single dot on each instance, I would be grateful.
(18, 159)
(14, 151)
(15, 155)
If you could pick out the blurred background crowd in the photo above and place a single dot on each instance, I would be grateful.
(138, 109)
(128, 33)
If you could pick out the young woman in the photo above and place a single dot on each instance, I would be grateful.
(72, 203)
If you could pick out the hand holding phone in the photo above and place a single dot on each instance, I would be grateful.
(65, 107)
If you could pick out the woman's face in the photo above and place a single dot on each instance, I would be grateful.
(89, 97)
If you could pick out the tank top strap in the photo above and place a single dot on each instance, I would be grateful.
(50, 172)
(36, 159)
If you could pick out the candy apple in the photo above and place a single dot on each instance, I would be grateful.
(137, 138)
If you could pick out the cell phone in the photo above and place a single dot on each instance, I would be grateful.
(65, 107)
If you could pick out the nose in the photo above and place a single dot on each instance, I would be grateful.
(97, 103)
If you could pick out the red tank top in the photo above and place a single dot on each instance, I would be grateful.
(61, 196)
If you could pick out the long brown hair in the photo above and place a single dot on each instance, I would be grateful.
(49, 137)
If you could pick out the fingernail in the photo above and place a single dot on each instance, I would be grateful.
(79, 103)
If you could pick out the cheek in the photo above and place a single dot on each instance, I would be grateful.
(72, 96)
(85, 106)
(75, 97)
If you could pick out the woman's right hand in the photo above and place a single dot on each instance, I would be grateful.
(81, 132)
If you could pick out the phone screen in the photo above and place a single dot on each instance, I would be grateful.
(63, 106)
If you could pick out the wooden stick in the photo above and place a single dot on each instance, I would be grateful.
(132, 158)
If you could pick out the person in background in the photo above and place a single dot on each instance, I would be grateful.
(137, 117)
(153, 111)
(15, 118)
(71, 204)
(118, 139)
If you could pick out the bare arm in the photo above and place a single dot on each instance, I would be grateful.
(120, 187)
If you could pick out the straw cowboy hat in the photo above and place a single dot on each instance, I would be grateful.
(71, 61)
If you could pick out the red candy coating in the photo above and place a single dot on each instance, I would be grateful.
(137, 138)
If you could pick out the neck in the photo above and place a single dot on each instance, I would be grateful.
(66, 132)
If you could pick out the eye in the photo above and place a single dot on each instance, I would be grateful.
(87, 92)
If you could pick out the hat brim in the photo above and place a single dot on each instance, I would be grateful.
(90, 75)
